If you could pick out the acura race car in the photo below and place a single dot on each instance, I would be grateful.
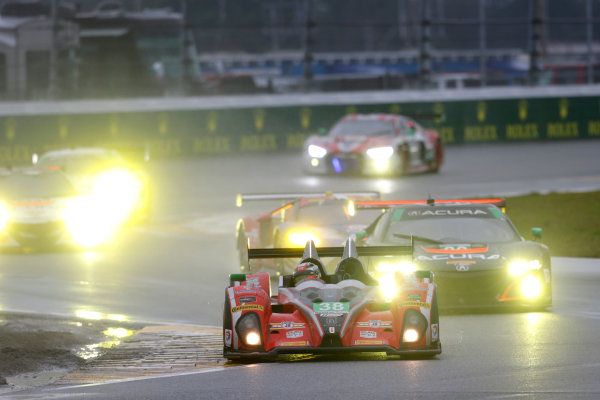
(374, 144)
(316, 312)
(478, 256)
(43, 209)
(325, 218)
(104, 172)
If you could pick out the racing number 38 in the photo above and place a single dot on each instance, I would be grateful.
(331, 306)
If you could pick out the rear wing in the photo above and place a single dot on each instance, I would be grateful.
(382, 204)
(367, 251)
(288, 197)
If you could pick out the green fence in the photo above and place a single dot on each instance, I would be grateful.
(202, 131)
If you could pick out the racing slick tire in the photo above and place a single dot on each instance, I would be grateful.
(404, 160)
(438, 157)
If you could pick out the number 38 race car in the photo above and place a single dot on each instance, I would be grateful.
(314, 312)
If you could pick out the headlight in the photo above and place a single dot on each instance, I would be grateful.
(414, 326)
(410, 335)
(406, 267)
(316, 151)
(387, 286)
(380, 152)
(118, 191)
(4, 215)
(299, 239)
(248, 329)
(531, 287)
(518, 268)
(87, 223)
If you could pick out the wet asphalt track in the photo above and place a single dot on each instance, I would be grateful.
(175, 269)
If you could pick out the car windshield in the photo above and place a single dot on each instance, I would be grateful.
(334, 214)
(362, 128)
(36, 186)
(452, 230)
(81, 164)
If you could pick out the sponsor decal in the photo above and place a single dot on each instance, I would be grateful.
(415, 304)
(228, 334)
(331, 306)
(462, 267)
(248, 291)
(374, 324)
(247, 299)
(413, 297)
(297, 343)
(287, 325)
(435, 333)
(332, 329)
(368, 334)
(330, 314)
(444, 212)
(461, 262)
(294, 334)
(247, 307)
(443, 257)
(252, 282)
(371, 342)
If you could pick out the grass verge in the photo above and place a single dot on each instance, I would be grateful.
(570, 221)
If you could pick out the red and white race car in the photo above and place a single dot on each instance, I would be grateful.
(326, 218)
(347, 311)
(374, 144)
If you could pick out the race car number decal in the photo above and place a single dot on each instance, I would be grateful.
(334, 306)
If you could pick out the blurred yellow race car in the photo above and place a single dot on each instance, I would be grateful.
(106, 176)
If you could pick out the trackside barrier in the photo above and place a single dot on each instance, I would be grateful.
(221, 125)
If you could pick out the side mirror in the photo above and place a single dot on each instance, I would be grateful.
(322, 131)
(536, 233)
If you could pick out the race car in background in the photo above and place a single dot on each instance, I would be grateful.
(374, 144)
(43, 209)
(477, 255)
(347, 311)
(104, 172)
(326, 218)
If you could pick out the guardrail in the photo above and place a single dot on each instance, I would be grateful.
(231, 124)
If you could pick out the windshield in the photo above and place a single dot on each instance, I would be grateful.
(23, 186)
(453, 230)
(362, 128)
(81, 164)
(334, 214)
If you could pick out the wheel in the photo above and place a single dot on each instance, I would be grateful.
(405, 154)
(242, 245)
(438, 157)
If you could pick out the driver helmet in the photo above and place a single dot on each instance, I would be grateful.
(306, 271)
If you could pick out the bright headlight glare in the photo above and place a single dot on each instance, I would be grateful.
(118, 191)
(253, 339)
(531, 287)
(4, 215)
(380, 152)
(299, 239)
(387, 286)
(410, 335)
(406, 267)
(87, 222)
(316, 151)
(518, 268)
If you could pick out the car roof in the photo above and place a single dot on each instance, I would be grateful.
(80, 151)
(372, 117)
